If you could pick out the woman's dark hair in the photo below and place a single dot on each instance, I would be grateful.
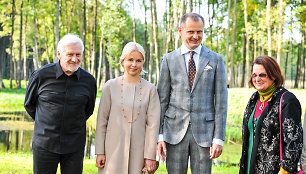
(272, 68)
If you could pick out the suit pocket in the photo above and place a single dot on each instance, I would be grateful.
(209, 117)
(170, 112)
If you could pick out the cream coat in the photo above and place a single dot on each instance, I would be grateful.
(124, 144)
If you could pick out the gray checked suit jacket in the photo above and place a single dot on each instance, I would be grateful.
(204, 106)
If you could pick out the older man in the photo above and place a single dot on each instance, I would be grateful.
(193, 95)
(60, 98)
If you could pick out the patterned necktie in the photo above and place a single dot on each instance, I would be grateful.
(191, 69)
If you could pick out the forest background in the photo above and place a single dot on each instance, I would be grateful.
(239, 30)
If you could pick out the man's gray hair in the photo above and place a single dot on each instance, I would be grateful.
(69, 39)
(194, 16)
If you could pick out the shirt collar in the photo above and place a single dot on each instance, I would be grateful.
(185, 50)
(60, 72)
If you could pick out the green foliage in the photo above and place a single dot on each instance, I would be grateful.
(114, 20)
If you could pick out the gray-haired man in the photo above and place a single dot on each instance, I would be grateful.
(60, 98)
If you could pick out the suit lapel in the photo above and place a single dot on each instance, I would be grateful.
(203, 61)
(181, 64)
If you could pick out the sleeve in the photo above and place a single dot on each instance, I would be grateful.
(292, 133)
(91, 104)
(152, 125)
(163, 89)
(32, 95)
(220, 100)
(102, 119)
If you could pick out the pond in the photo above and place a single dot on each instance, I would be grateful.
(16, 129)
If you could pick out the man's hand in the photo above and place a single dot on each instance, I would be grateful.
(215, 151)
(100, 160)
(161, 150)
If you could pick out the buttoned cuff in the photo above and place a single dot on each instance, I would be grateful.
(217, 141)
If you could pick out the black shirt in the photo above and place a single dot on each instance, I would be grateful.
(60, 106)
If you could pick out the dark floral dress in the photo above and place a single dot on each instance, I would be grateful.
(265, 156)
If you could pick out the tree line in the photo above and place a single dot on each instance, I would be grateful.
(239, 30)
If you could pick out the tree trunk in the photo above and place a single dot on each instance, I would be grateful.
(177, 17)
(105, 67)
(66, 17)
(46, 45)
(25, 68)
(199, 5)
(89, 141)
(244, 61)
(233, 46)
(247, 59)
(227, 39)
(93, 58)
(71, 16)
(15, 67)
(190, 5)
(84, 35)
(117, 71)
(110, 69)
(155, 35)
(297, 74)
(89, 45)
(35, 54)
(255, 47)
(54, 44)
(146, 64)
(169, 27)
(134, 22)
(269, 28)
(303, 58)
(12, 44)
(101, 55)
(211, 22)
(18, 82)
(151, 51)
(286, 61)
(2, 60)
(57, 25)
(280, 31)
(291, 67)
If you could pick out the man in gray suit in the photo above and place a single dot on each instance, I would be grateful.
(193, 95)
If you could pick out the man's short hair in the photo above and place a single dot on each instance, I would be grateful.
(69, 39)
(193, 16)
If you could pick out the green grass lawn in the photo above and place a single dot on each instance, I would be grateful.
(22, 163)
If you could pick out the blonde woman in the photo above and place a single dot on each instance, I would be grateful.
(128, 119)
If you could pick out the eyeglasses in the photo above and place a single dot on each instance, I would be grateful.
(261, 75)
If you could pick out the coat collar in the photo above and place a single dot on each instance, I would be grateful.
(203, 61)
(60, 72)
